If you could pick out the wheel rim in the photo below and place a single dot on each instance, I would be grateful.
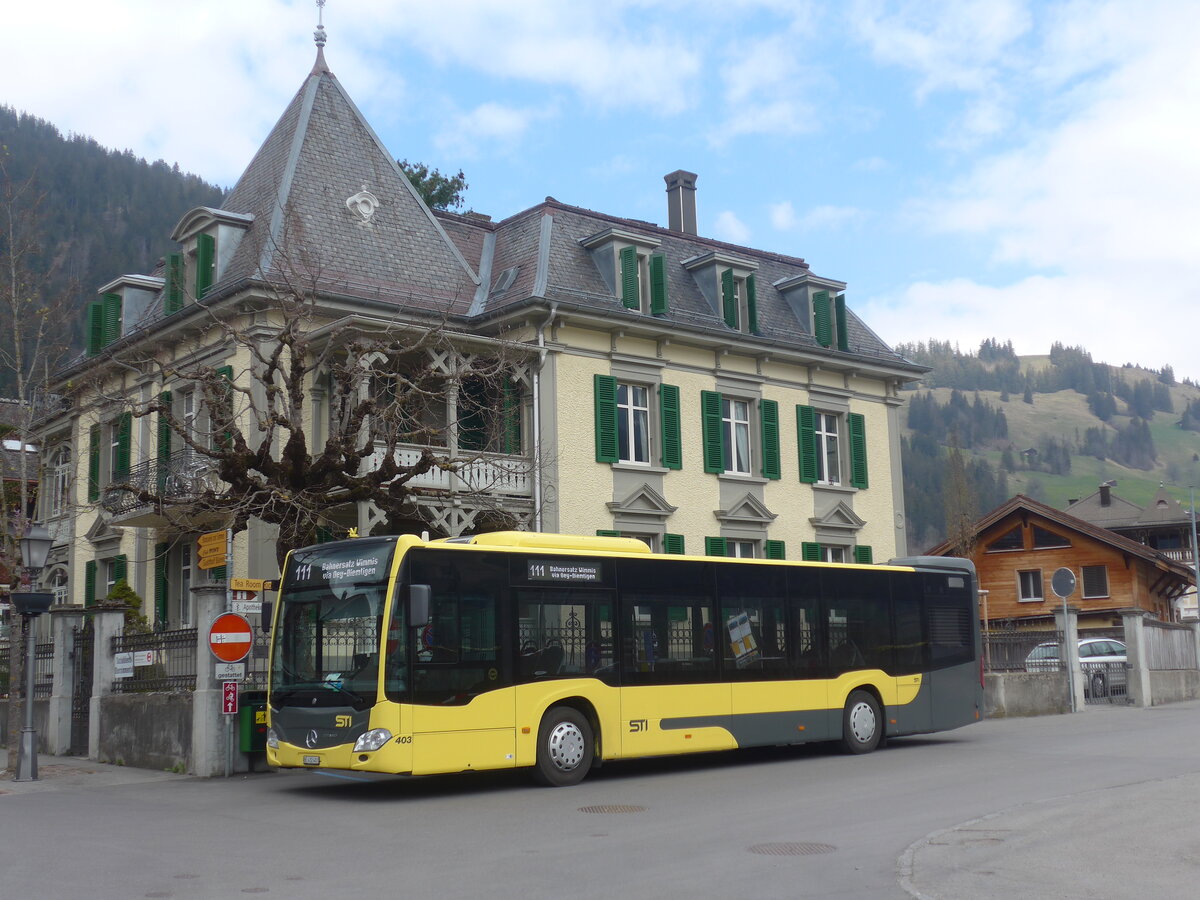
(565, 746)
(862, 722)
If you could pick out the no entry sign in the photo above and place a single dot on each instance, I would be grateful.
(230, 637)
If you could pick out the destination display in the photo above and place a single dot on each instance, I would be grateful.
(562, 570)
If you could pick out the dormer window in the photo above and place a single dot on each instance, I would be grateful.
(632, 268)
(209, 238)
(829, 320)
(739, 301)
(206, 257)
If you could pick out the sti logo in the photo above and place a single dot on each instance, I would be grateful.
(342, 721)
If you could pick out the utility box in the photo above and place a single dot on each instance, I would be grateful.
(252, 722)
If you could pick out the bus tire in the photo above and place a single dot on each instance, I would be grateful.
(565, 748)
(862, 723)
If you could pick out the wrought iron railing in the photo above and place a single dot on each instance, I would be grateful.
(163, 661)
(184, 473)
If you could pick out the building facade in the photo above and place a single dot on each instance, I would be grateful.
(705, 397)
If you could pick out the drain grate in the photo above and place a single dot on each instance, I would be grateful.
(612, 808)
(791, 848)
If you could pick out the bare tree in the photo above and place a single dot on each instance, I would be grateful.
(320, 411)
(959, 503)
(33, 341)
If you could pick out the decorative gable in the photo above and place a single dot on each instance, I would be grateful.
(644, 503)
(749, 510)
(840, 518)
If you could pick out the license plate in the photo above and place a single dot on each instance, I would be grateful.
(312, 760)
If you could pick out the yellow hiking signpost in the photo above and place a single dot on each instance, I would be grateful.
(212, 548)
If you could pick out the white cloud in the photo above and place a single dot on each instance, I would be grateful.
(488, 128)
(769, 91)
(783, 216)
(1102, 204)
(728, 227)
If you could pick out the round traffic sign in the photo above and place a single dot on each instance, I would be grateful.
(230, 637)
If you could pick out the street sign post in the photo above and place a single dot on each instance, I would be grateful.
(1062, 582)
(229, 698)
(212, 549)
(230, 637)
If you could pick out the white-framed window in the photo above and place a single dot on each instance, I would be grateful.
(186, 574)
(633, 423)
(832, 553)
(742, 549)
(114, 451)
(1029, 585)
(829, 460)
(735, 425)
(59, 587)
(57, 489)
(739, 302)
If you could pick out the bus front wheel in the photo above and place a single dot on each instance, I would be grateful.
(565, 747)
(862, 723)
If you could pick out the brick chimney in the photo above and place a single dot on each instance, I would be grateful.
(1106, 495)
(681, 201)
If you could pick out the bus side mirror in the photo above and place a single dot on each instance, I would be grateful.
(418, 604)
(267, 609)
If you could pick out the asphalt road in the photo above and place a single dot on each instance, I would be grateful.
(1101, 804)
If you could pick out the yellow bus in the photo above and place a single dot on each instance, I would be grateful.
(559, 653)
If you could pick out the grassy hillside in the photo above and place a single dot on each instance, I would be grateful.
(1065, 415)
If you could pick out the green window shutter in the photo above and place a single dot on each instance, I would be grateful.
(858, 450)
(810, 552)
(729, 299)
(605, 392)
(324, 534)
(217, 575)
(124, 440)
(839, 311)
(862, 554)
(173, 286)
(806, 436)
(95, 328)
(89, 583)
(658, 284)
(163, 446)
(822, 325)
(715, 546)
(206, 252)
(94, 464)
(112, 318)
(120, 568)
(162, 583)
(512, 418)
(672, 440)
(673, 544)
(629, 278)
(752, 303)
(775, 550)
(769, 414)
(714, 451)
(602, 532)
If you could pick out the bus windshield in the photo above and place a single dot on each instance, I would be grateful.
(327, 643)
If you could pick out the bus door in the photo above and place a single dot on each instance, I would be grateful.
(673, 699)
(462, 716)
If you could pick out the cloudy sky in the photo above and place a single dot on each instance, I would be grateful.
(1020, 170)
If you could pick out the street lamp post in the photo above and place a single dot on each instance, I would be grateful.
(35, 546)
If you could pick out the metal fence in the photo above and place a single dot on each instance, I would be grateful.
(162, 661)
(1169, 646)
(1005, 649)
(43, 671)
(5, 670)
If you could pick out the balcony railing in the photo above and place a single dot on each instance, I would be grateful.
(180, 475)
(486, 473)
(184, 474)
(1180, 555)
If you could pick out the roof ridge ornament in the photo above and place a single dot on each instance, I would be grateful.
(319, 39)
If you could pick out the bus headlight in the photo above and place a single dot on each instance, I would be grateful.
(372, 740)
(272, 739)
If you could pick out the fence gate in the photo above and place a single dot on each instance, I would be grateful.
(81, 693)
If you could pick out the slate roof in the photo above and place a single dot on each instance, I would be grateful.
(1162, 510)
(322, 151)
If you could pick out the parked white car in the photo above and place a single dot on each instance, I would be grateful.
(1102, 661)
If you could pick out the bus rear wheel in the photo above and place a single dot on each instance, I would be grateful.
(862, 723)
(565, 747)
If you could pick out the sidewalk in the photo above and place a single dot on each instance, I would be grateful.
(56, 773)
